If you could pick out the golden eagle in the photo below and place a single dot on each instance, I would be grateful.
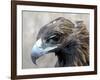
(68, 41)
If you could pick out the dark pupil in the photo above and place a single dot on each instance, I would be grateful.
(54, 39)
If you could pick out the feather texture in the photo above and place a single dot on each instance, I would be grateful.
(72, 41)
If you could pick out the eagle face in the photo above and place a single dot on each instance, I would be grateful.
(50, 37)
(45, 44)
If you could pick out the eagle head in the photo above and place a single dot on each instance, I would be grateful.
(59, 37)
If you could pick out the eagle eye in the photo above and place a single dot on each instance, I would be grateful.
(53, 39)
(56, 38)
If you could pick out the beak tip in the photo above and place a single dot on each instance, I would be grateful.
(34, 60)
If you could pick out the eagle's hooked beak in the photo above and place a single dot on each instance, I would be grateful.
(38, 50)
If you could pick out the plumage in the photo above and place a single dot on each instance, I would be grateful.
(70, 43)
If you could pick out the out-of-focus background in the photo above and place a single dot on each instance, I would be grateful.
(32, 22)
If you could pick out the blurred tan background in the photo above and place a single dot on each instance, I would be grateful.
(32, 22)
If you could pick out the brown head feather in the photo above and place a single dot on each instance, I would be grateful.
(73, 49)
